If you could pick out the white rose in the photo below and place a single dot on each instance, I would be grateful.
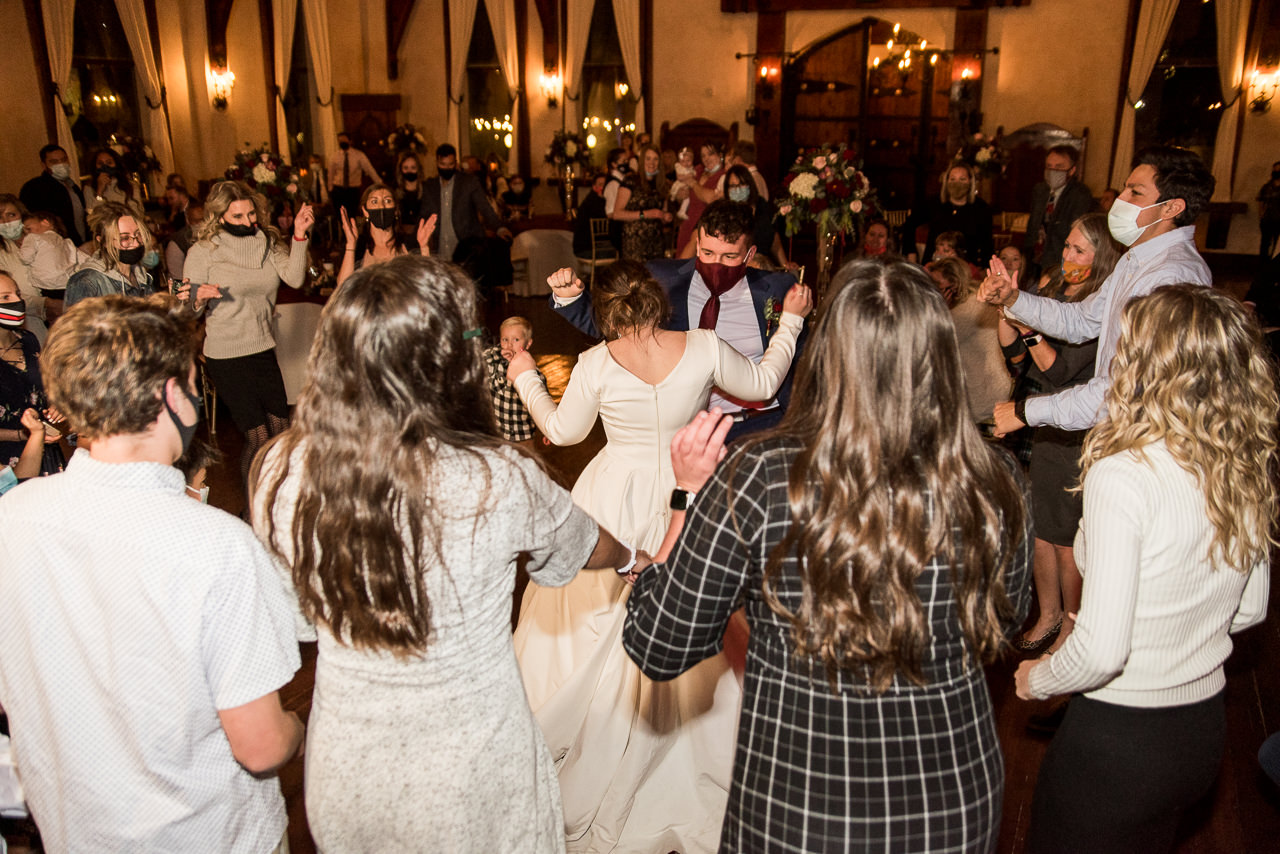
(262, 174)
(820, 161)
(784, 210)
(849, 171)
(855, 206)
(570, 147)
(291, 189)
(983, 155)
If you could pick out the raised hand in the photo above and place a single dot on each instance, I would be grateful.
(698, 447)
(999, 287)
(520, 363)
(348, 228)
(305, 218)
(799, 300)
(565, 283)
(426, 228)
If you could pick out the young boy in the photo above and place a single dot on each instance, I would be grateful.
(51, 259)
(514, 335)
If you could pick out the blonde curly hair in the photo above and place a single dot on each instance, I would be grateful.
(1191, 370)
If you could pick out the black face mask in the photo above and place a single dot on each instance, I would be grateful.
(237, 230)
(186, 432)
(344, 145)
(131, 256)
(409, 176)
(384, 218)
(108, 170)
(447, 174)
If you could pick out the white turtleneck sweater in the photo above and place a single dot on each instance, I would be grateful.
(1156, 611)
(248, 270)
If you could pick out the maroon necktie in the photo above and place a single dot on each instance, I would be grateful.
(719, 279)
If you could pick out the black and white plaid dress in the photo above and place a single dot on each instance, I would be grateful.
(915, 769)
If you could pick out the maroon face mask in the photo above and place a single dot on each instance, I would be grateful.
(718, 278)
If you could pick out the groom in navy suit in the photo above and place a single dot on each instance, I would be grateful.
(715, 290)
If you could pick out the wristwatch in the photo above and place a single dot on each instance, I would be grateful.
(681, 498)
(631, 564)
(1031, 339)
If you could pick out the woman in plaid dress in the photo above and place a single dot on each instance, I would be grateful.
(881, 549)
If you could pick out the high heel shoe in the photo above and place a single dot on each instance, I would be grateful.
(1040, 644)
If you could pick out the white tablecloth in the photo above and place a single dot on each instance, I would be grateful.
(296, 325)
(544, 250)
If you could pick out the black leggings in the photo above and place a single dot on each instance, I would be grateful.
(1117, 778)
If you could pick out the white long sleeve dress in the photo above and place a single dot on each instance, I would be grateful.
(643, 766)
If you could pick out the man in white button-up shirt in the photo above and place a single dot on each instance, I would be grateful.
(1155, 215)
(143, 635)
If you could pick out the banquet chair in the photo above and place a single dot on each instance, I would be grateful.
(602, 252)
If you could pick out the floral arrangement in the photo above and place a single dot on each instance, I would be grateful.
(568, 149)
(136, 157)
(266, 172)
(826, 186)
(404, 139)
(983, 155)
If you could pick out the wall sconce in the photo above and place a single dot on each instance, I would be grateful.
(221, 80)
(551, 83)
(622, 90)
(770, 72)
(966, 70)
(1262, 88)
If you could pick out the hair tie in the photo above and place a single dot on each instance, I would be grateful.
(472, 333)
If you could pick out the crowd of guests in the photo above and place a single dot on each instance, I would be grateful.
(759, 619)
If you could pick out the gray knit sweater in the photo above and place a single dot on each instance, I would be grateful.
(248, 270)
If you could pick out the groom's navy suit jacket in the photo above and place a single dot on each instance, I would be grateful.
(675, 277)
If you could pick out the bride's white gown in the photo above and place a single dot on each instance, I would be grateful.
(643, 766)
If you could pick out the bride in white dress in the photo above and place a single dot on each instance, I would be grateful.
(643, 766)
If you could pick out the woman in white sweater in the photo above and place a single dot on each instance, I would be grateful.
(1179, 519)
(234, 271)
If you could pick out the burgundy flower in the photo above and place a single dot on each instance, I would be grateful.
(817, 206)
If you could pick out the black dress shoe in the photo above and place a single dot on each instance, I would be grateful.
(1035, 647)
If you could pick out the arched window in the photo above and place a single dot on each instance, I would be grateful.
(103, 90)
(608, 104)
(488, 101)
(1182, 102)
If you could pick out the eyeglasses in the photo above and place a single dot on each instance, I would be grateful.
(133, 239)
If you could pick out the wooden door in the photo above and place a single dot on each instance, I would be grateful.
(897, 120)
(369, 119)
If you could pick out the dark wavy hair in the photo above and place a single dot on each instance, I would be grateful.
(891, 474)
(1180, 174)
(728, 221)
(626, 298)
(393, 382)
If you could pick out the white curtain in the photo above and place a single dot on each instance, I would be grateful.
(577, 31)
(502, 18)
(316, 18)
(1232, 19)
(133, 18)
(462, 15)
(1148, 40)
(627, 15)
(284, 15)
(59, 33)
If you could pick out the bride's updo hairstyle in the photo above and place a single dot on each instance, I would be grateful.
(627, 298)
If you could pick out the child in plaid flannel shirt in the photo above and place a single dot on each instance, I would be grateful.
(514, 335)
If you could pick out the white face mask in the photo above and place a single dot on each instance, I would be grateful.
(11, 230)
(202, 493)
(1122, 220)
(1055, 178)
(61, 171)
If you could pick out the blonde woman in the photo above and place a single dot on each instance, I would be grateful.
(234, 271)
(121, 242)
(1179, 520)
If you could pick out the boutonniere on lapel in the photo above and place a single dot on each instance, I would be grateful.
(772, 314)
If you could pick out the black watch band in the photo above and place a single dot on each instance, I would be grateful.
(1020, 410)
(681, 499)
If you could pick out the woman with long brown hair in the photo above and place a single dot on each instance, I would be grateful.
(234, 270)
(882, 549)
(402, 515)
(1179, 523)
(1045, 366)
